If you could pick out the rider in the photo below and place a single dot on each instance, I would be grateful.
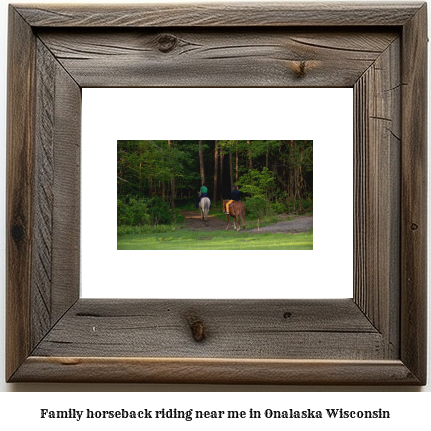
(235, 195)
(203, 192)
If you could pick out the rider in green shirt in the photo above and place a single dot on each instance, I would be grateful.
(203, 193)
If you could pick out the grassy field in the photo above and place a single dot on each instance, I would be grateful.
(216, 240)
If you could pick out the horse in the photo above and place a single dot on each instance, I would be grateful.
(236, 210)
(204, 206)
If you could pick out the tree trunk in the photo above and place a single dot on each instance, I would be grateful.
(250, 160)
(215, 170)
(201, 163)
(172, 180)
(291, 171)
(230, 168)
(221, 174)
(267, 157)
(120, 175)
(173, 193)
(140, 170)
(140, 179)
(285, 164)
(237, 164)
(299, 188)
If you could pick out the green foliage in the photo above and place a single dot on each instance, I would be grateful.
(178, 217)
(292, 205)
(146, 167)
(256, 207)
(160, 212)
(278, 208)
(307, 205)
(135, 213)
(260, 187)
(167, 172)
(258, 184)
(122, 217)
(146, 212)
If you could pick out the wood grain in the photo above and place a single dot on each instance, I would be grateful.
(55, 278)
(220, 15)
(216, 371)
(216, 58)
(66, 189)
(377, 173)
(414, 195)
(19, 200)
(234, 329)
(44, 196)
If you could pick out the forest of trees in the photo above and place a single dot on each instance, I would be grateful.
(155, 178)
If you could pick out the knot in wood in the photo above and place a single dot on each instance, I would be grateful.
(414, 226)
(300, 69)
(167, 42)
(197, 328)
(18, 233)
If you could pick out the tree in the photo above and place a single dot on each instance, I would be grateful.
(201, 163)
(221, 174)
(172, 177)
(215, 170)
(236, 165)
(165, 171)
(230, 168)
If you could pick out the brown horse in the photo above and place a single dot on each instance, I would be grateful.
(236, 210)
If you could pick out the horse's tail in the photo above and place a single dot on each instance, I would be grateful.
(207, 206)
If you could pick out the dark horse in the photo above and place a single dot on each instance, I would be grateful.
(236, 210)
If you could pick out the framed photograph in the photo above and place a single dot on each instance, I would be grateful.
(377, 337)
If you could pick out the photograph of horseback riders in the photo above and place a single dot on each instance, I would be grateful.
(214, 195)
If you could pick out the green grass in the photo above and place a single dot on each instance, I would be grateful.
(216, 240)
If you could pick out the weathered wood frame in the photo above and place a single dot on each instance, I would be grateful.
(378, 337)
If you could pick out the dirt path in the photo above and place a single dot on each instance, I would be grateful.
(194, 222)
(300, 224)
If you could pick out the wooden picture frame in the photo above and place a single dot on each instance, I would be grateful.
(376, 338)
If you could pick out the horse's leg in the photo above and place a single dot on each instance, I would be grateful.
(237, 222)
(227, 221)
(242, 219)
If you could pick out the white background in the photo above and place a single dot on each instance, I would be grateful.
(22, 409)
(322, 115)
